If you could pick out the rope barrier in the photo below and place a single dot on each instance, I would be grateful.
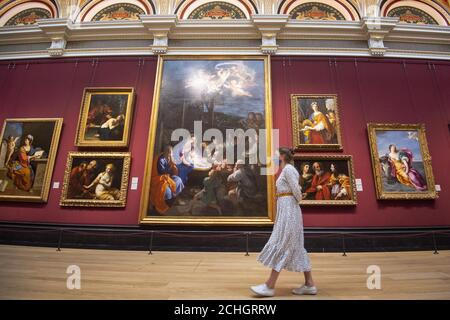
(230, 234)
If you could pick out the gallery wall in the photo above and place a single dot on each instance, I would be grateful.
(369, 90)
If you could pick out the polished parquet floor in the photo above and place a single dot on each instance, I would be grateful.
(40, 273)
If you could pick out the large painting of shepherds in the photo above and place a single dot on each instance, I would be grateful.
(315, 122)
(96, 179)
(186, 180)
(27, 155)
(326, 179)
(105, 117)
(401, 161)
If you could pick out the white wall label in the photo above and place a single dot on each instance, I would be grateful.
(437, 187)
(134, 183)
(359, 186)
(56, 185)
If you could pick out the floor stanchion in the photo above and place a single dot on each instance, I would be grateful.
(246, 243)
(344, 254)
(150, 245)
(60, 239)
(435, 244)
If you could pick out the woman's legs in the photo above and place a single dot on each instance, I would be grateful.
(309, 279)
(272, 279)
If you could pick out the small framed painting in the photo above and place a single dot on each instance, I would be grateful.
(96, 179)
(401, 161)
(105, 117)
(315, 122)
(326, 179)
(27, 156)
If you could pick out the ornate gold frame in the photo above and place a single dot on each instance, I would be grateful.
(80, 140)
(351, 173)
(51, 159)
(126, 156)
(172, 220)
(295, 124)
(386, 195)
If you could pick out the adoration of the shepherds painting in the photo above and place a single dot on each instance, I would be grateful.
(215, 94)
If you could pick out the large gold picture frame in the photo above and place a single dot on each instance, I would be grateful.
(81, 171)
(300, 109)
(26, 175)
(338, 187)
(406, 172)
(267, 217)
(120, 102)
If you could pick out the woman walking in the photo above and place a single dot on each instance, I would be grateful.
(285, 249)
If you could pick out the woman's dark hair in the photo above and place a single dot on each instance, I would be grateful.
(288, 153)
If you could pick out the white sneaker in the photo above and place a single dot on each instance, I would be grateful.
(263, 290)
(303, 290)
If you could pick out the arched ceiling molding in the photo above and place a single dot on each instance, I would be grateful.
(92, 8)
(186, 7)
(432, 8)
(347, 9)
(13, 8)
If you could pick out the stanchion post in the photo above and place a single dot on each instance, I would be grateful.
(246, 243)
(435, 243)
(60, 239)
(344, 254)
(150, 245)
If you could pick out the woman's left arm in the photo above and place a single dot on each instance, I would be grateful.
(292, 177)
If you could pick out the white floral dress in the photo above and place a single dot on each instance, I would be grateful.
(285, 249)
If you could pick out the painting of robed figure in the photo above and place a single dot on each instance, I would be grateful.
(326, 179)
(401, 161)
(27, 155)
(193, 179)
(315, 122)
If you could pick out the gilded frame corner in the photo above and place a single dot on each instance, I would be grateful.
(351, 172)
(80, 140)
(43, 197)
(66, 202)
(431, 193)
(296, 129)
(219, 221)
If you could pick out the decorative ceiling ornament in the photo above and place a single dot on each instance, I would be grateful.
(315, 11)
(28, 17)
(119, 11)
(412, 15)
(217, 10)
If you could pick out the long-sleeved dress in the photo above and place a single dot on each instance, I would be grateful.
(285, 249)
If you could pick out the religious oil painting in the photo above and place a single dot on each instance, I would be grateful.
(96, 179)
(401, 161)
(315, 122)
(326, 179)
(27, 155)
(105, 117)
(207, 175)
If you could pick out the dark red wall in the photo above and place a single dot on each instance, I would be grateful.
(54, 88)
(370, 90)
(373, 90)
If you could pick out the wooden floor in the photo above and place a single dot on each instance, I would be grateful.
(40, 273)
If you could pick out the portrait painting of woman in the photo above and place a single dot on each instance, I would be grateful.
(27, 154)
(401, 161)
(105, 117)
(315, 122)
(96, 179)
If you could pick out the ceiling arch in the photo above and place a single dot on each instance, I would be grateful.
(26, 12)
(223, 9)
(416, 11)
(319, 10)
(107, 10)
